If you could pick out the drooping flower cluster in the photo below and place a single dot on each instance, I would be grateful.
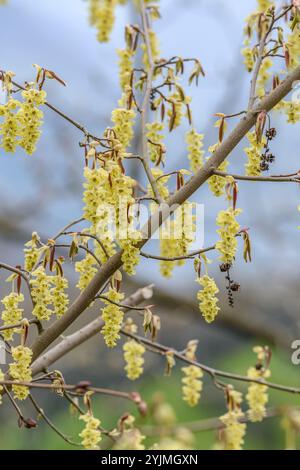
(292, 111)
(31, 118)
(177, 110)
(257, 396)
(22, 120)
(41, 294)
(125, 67)
(9, 128)
(155, 141)
(192, 385)
(102, 17)
(191, 381)
(91, 434)
(12, 314)
(31, 252)
(133, 355)
(254, 153)
(229, 227)
(176, 237)
(217, 183)
(112, 315)
(108, 199)
(194, 142)
(58, 295)
(20, 370)
(86, 269)
(123, 120)
(248, 58)
(235, 430)
(207, 298)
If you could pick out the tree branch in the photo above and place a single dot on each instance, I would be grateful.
(115, 262)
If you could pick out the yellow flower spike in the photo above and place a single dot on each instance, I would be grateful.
(257, 396)
(60, 299)
(12, 314)
(20, 370)
(217, 183)
(192, 385)
(86, 269)
(254, 153)
(123, 120)
(229, 227)
(155, 141)
(30, 118)
(234, 431)
(10, 127)
(248, 58)
(207, 298)
(195, 153)
(41, 294)
(133, 355)
(32, 252)
(292, 111)
(125, 67)
(112, 315)
(102, 17)
(91, 434)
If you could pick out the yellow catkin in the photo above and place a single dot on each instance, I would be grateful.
(123, 120)
(9, 128)
(20, 370)
(248, 58)
(31, 118)
(177, 111)
(125, 64)
(41, 294)
(155, 140)
(229, 227)
(292, 111)
(234, 431)
(102, 17)
(60, 298)
(194, 142)
(91, 434)
(257, 396)
(12, 314)
(130, 255)
(86, 269)
(207, 298)
(133, 355)
(217, 183)
(192, 385)
(112, 315)
(254, 153)
(31, 252)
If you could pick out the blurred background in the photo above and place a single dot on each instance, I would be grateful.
(43, 193)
